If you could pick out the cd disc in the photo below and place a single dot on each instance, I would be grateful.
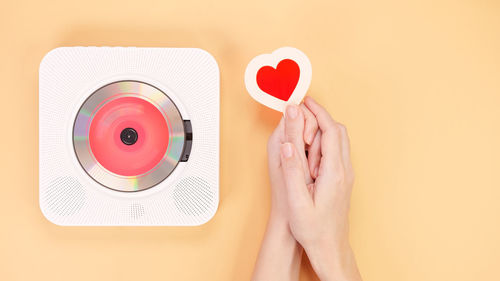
(128, 136)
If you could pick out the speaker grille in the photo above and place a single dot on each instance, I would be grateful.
(193, 196)
(65, 196)
(136, 211)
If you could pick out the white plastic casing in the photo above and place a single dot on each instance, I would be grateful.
(68, 196)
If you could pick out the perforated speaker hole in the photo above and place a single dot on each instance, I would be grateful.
(193, 196)
(136, 210)
(65, 196)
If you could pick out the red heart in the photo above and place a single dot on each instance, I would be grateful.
(279, 82)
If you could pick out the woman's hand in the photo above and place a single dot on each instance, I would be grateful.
(311, 180)
(300, 127)
(280, 254)
(318, 211)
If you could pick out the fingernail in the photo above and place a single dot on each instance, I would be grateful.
(286, 150)
(291, 111)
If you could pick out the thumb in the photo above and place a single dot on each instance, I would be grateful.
(293, 172)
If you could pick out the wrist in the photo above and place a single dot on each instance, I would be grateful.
(333, 262)
(280, 255)
(278, 226)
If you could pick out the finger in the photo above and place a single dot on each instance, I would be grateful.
(331, 152)
(294, 133)
(311, 125)
(294, 126)
(297, 192)
(314, 155)
(346, 146)
(346, 154)
(324, 119)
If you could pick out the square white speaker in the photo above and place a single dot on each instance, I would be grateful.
(129, 136)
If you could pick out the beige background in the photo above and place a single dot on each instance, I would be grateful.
(416, 82)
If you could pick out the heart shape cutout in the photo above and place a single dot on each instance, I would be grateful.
(279, 82)
(279, 78)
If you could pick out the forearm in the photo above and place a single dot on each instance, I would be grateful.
(280, 255)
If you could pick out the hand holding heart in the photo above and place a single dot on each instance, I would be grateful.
(280, 78)
(310, 196)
